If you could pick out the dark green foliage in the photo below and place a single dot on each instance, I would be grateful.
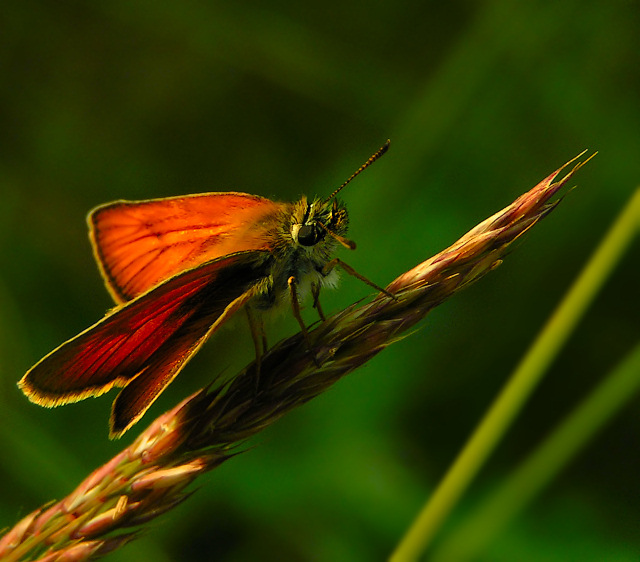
(101, 101)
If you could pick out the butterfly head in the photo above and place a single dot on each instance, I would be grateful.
(327, 218)
(319, 220)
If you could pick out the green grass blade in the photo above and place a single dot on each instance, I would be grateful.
(522, 382)
(545, 463)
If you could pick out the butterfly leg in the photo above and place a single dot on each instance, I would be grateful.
(315, 292)
(337, 261)
(295, 305)
(259, 337)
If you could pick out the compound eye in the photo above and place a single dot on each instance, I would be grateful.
(308, 235)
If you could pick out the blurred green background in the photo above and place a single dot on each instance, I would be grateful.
(134, 99)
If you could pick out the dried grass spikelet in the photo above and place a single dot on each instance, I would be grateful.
(150, 476)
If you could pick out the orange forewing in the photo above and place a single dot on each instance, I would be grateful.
(143, 344)
(141, 244)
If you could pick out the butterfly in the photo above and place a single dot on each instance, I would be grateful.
(179, 268)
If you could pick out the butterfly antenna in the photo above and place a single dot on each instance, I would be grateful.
(368, 163)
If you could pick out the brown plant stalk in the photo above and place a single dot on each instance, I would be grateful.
(151, 476)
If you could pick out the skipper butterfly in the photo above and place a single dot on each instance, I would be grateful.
(178, 269)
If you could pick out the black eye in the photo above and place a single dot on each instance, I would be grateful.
(308, 235)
